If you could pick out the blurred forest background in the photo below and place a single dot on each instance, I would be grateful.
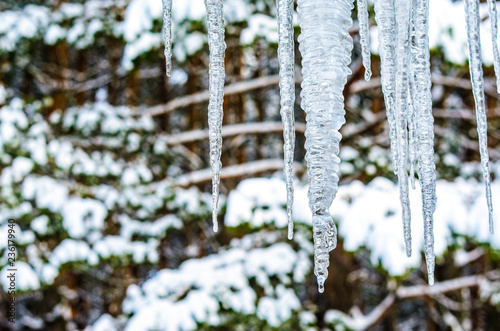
(104, 167)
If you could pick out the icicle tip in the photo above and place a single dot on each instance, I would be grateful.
(408, 249)
(368, 74)
(431, 279)
(214, 220)
(321, 285)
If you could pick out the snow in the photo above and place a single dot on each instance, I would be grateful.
(158, 228)
(47, 192)
(448, 32)
(70, 250)
(104, 323)
(40, 224)
(118, 246)
(277, 310)
(461, 209)
(258, 200)
(78, 24)
(215, 280)
(25, 278)
(82, 216)
(260, 25)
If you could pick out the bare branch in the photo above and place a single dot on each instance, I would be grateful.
(456, 82)
(240, 170)
(362, 322)
(232, 130)
(200, 97)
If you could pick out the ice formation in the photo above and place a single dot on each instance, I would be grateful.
(492, 6)
(364, 36)
(476, 74)
(217, 46)
(401, 111)
(325, 45)
(424, 131)
(385, 15)
(287, 94)
(167, 34)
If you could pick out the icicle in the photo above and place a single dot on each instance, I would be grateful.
(425, 130)
(412, 137)
(167, 34)
(476, 74)
(287, 95)
(401, 111)
(325, 45)
(217, 47)
(492, 5)
(386, 22)
(364, 35)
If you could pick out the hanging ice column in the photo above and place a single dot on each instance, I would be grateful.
(492, 5)
(393, 20)
(167, 34)
(364, 36)
(287, 95)
(385, 15)
(326, 46)
(476, 74)
(424, 121)
(217, 47)
(403, 10)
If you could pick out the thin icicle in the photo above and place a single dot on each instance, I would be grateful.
(217, 47)
(287, 95)
(412, 136)
(364, 35)
(476, 74)
(425, 128)
(325, 45)
(167, 34)
(386, 22)
(492, 5)
(401, 112)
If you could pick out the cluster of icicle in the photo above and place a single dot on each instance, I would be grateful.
(217, 75)
(325, 46)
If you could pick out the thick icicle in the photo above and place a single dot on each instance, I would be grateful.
(476, 74)
(217, 47)
(325, 45)
(364, 36)
(167, 34)
(425, 128)
(287, 95)
(401, 112)
(492, 5)
(386, 22)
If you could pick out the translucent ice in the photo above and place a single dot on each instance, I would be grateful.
(287, 94)
(424, 127)
(476, 73)
(217, 47)
(325, 45)
(167, 34)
